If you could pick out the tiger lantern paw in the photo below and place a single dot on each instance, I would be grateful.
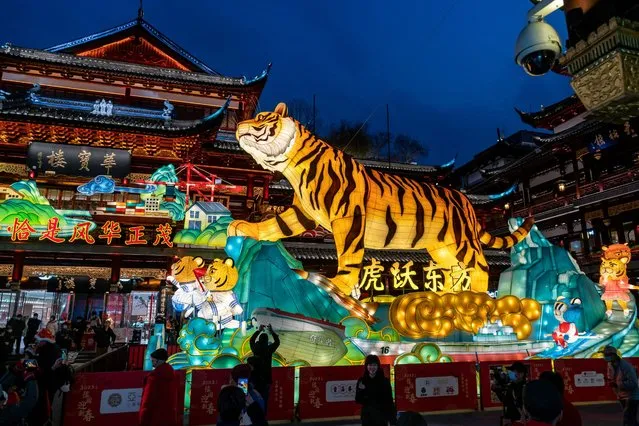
(242, 228)
(356, 293)
(345, 287)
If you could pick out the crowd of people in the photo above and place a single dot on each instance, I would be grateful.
(29, 386)
(542, 401)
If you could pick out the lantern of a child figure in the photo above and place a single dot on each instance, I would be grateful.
(614, 279)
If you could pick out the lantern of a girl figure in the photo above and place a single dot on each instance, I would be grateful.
(613, 278)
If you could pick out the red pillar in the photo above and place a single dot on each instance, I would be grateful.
(267, 182)
(116, 265)
(18, 266)
(249, 187)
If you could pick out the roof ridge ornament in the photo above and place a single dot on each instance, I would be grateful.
(141, 11)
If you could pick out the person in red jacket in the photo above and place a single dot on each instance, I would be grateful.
(160, 393)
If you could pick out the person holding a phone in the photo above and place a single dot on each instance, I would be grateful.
(240, 401)
(263, 352)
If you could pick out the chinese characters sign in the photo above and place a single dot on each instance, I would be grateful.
(75, 160)
(160, 235)
(610, 137)
(408, 277)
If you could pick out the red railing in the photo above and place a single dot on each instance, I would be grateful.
(136, 355)
(553, 201)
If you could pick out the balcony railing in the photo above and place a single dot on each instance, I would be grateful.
(603, 185)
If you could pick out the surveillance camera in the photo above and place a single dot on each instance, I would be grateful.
(537, 48)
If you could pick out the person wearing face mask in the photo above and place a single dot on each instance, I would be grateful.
(62, 381)
(622, 378)
(160, 393)
(375, 395)
(512, 394)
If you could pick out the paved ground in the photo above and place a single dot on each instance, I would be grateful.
(595, 415)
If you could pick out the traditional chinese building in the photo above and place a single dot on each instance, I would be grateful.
(124, 103)
(580, 182)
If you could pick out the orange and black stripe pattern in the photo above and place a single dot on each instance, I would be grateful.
(367, 208)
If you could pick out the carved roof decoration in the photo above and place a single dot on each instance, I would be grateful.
(46, 62)
(138, 29)
(553, 115)
(101, 114)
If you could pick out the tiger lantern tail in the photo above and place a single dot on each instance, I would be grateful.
(507, 241)
(364, 208)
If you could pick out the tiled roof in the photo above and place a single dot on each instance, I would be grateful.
(32, 107)
(306, 251)
(376, 164)
(148, 30)
(576, 130)
(555, 114)
(164, 74)
(211, 207)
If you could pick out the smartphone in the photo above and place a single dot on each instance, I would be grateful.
(64, 354)
(243, 383)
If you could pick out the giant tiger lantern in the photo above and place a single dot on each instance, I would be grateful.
(367, 209)
(363, 208)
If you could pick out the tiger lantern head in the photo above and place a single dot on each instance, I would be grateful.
(268, 137)
(184, 269)
(614, 261)
(613, 269)
(617, 251)
(568, 310)
(221, 275)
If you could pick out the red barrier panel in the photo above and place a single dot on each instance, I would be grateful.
(282, 395)
(136, 357)
(436, 387)
(329, 392)
(488, 372)
(585, 379)
(206, 385)
(104, 399)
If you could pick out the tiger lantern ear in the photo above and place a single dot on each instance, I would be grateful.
(229, 262)
(625, 244)
(281, 109)
(199, 261)
(624, 260)
(604, 248)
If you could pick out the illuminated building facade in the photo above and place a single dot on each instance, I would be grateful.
(121, 103)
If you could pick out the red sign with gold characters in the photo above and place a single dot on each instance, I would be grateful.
(113, 398)
(161, 235)
(436, 387)
(329, 392)
(585, 379)
(206, 385)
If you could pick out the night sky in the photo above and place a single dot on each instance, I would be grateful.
(445, 68)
